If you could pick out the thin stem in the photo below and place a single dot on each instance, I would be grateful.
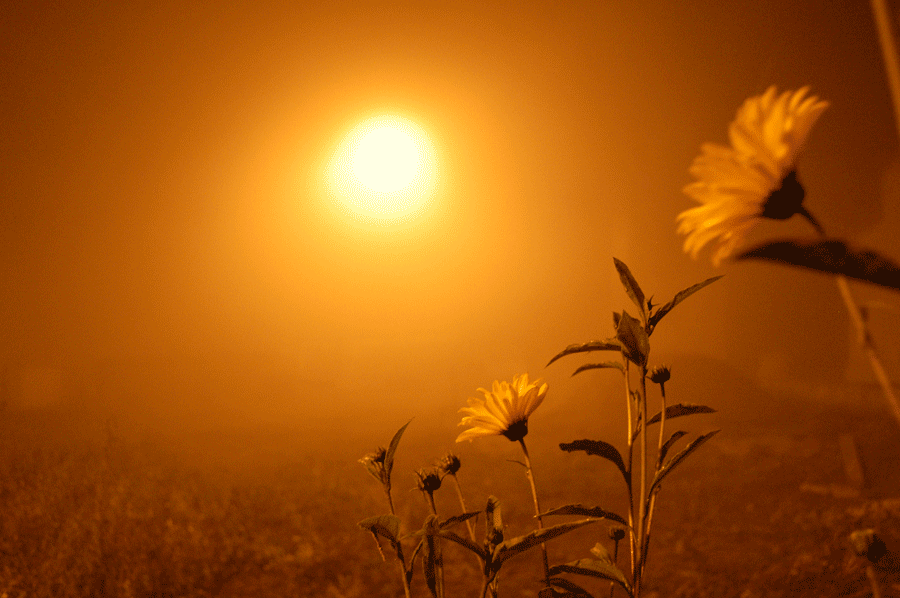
(643, 487)
(462, 504)
(537, 507)
(629, 465)
(889, 53)
(662, 424)
(864, 338)
(863, 334)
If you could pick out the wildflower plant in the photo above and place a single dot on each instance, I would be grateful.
(642, 479)
(504, 411)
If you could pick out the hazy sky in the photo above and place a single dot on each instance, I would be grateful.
(166, 236)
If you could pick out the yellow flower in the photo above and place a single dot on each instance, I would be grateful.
(755, 177)
(504, 410)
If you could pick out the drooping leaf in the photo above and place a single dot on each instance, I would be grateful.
(668, 444)
(598, 448)
(451, 521)
(602, 554)
(594, 568)
(392, 448)
(680, 410)
(610, 344)
(569, 589)
(510, 548)
(387, 526)
(831, 256)
(432, 560)
(631, 285)
(679, 457)
(584, 511)
(493, 521)
(656, 316)
(633, 338)
(602, 365)
(464, 542)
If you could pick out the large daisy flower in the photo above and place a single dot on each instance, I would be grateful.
(755, 177)
(504, 410)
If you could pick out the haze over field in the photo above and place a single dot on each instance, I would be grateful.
(171, 257)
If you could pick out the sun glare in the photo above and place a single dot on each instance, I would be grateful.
(384, 170)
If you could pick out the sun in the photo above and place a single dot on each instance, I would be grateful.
(384, 170)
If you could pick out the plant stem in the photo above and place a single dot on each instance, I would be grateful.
(537, 507)
(643, 486)
(889, 53)
(629, 464)
(863, 334)
(462, 504)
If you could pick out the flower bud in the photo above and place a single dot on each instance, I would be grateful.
(660, 374)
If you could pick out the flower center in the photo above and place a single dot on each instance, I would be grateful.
(785, 201)
(517, 430)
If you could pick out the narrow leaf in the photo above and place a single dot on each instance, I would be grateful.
(387, 526)
(607, 345)
(679, 457)
(493, 521)
(680, 410)
(631, 285)
(389, 456)
(668, 444)
(579, 509)
(598, 448)
(451, 521)
(464, 542)
(510, 548)
(604, 364)
(679, 297)
(432, 561)
(571, 590)
(633, 338)
(830, 256)
(594, 568)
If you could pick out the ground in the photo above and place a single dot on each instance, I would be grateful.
(765, 508)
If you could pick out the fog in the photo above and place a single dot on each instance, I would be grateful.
(171, 260)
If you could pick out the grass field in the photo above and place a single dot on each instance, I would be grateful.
(760, 512)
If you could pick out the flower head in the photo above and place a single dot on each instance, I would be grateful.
(429, 480)
(374, 463)
(755, 177)
(504, 410)
(449, 465)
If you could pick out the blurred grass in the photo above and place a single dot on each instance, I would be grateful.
(273, 513)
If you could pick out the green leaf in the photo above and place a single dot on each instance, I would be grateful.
(510, 548)
(579, 509)
(831, 256)
(680, 410)
(679, 457)
(596, 366)
(668, 444)
(610, 344)
(387, 526)
(594, 568)
(631, 285)
(679, 297)
(634, 340)
(570, 589)
(389, 456)
(600, 449)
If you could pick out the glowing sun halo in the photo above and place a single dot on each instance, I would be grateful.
(384, 169)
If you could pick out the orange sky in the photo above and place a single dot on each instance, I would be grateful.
(164, 231)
